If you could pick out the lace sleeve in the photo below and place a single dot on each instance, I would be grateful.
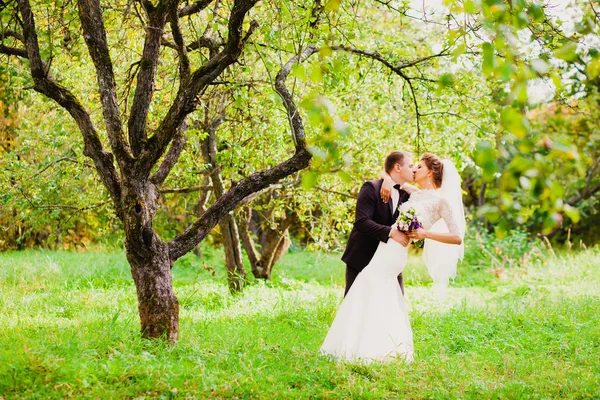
(446, 213)
(410, 189)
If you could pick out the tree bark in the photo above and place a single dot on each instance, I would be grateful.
(150, 262)
(274, 243)
(151, 270)
(236, 275)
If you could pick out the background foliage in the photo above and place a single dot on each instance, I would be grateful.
(474, 97)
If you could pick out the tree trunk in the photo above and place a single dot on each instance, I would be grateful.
(158, 307)
(150, 262)
(275, 242)
(236, 276)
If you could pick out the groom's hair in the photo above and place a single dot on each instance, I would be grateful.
(395, 157)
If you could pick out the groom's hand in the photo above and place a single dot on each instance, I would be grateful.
(386, 187)
(399, 236)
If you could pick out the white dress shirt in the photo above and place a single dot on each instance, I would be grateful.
(395, 199)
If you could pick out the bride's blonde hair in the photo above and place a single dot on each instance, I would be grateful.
(435, 165)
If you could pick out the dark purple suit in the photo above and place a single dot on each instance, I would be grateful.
(372, 225)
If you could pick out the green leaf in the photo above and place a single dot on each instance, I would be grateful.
(557, 80)
(557, 190)
(506, 71)
(299, 71)
(446, 80)
(318, 152)
(526, 146)
(471, 7)
(491, 213)
(520, 163)
(502, 228)
(572, 213)
(593, 69)
(459, 50)
(316, 73)
(309, 179)
(485, 157)
(333, 5)
(567, 52)
(346, 177)
(585, 27)
(508, 181)
(514, 122)
(325, 52)
(489, 59)
(537, 12)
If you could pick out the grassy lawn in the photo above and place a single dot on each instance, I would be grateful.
(70, 329)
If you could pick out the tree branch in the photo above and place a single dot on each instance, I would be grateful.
(347, 195)
(206, 41)
(194, 8)
(292, 112)
(395, 68)
(417, 113)
(584, 195)
(53, 163)
(12, 51)
(194, 234)
(180, 138)
(93, 148)
(458, 116)
(209, 147)
(250, 198)
(185, 102)
(190, 189)
(59, 206)
(144, 90)
(94, 34)
(398, 69)
(184, 62)
(172, 156)
(591, 173)
(12, 34)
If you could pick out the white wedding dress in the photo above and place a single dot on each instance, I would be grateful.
(372, 323)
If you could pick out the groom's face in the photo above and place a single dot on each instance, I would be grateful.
(406, 169)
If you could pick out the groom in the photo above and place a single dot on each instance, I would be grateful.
(374, 218)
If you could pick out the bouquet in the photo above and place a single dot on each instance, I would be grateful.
(409, 221)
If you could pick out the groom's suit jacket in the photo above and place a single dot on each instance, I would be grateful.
(372, 225)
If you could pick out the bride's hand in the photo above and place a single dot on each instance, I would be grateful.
(419, 234)
(386, 187)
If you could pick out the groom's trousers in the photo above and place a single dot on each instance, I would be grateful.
(351, 276)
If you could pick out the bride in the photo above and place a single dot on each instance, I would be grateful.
(372, 322)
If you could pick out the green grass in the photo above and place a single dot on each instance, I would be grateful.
(70, 330)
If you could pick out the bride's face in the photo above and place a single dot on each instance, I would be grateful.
(422, 173)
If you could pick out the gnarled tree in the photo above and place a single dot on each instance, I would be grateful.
(140, 155)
